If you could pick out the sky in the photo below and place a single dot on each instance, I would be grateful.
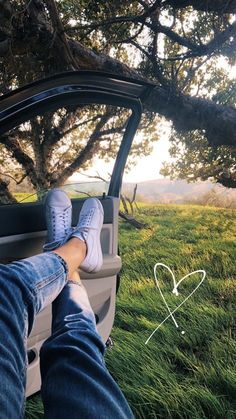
(147, 168)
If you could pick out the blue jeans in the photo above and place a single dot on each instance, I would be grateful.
(75, 381)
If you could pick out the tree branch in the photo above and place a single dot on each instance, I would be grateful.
(18, 182)
(22, 158)
(106, 22)
(217, 6)
(6, 197)
(187, 113)
(84, 155)
(60, 34)
(195, 50)
(192, 113)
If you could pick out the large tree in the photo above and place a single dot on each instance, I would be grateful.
(49, 148)
(194, 159)
(185, 47)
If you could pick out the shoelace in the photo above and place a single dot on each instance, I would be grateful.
(85, 220)
(60, 227)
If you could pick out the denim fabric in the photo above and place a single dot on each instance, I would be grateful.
(26, 287)
(75, 381)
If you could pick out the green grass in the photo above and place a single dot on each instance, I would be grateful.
(25, 196)
(174, 375)
(32, 196)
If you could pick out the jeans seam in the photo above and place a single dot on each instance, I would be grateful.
(62, 261)
(55, 275)
(23, 372)
(62, 269)
(49, 279)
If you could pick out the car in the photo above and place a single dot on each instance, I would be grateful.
(23, 228)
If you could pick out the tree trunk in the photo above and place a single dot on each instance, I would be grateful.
(187, 113)
(5, 195)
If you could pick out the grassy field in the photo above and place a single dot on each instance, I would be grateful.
(32, 196)
(175, 375)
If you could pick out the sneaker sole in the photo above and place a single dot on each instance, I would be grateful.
(99, 262)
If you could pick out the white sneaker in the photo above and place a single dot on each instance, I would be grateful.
(58, 212)
(89, 229)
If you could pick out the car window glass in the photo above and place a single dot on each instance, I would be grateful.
(74, 147)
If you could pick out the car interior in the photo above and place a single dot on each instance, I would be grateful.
(85, 98)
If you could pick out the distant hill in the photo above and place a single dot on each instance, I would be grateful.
(179, 191)
(94, 187)
(165, 191)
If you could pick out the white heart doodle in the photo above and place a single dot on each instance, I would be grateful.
(174, 291)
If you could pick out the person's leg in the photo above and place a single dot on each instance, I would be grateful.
(26, 287)
(75, 380)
